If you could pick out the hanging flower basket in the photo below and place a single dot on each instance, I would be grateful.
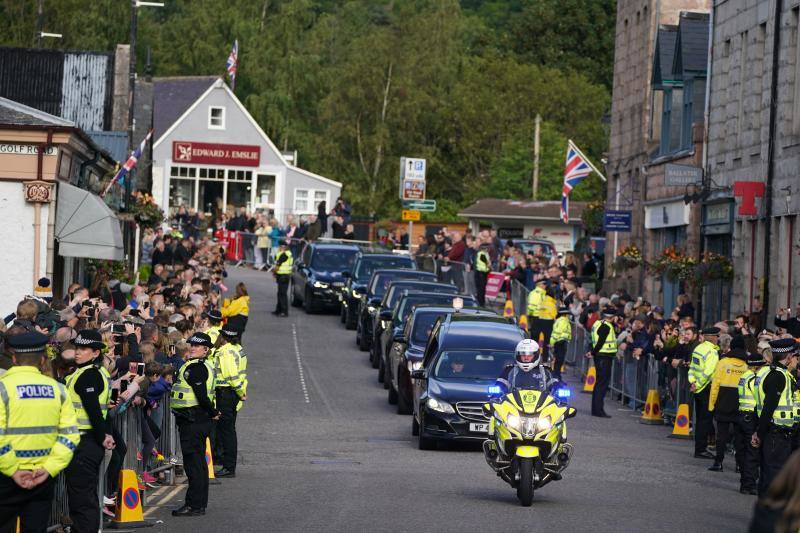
(674, 264)
(146, 211)
(628, 258)
(713, 267)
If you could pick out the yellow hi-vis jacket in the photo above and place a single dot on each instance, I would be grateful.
(38, 428)
(747, 398)
(238, 306)
(548, 310)
(228, 369)
(213, 332)
(535, 300)
(704, 360)
(83, 417)
(285, 268)
(728, 373)
(784, 412)
(562, 330)
(609, 347)
(182, 395)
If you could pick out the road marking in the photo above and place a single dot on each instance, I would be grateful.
(163, 501)
(299, 364)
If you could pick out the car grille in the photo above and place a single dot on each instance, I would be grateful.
(471, 411)
(338, 284)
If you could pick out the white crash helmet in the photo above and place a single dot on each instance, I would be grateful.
(528, 347)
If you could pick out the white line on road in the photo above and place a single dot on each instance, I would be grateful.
(299, 364)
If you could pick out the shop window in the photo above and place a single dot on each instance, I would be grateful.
(181, 193)
(240, 175)
(265, 190)
(239, 195)
(216, 118)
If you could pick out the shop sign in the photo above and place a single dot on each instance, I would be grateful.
(239, 155)
(667, 215)
(510, 233)
(25, 149)
(748, 191)
(617, 221)
(682, 175)
(718, 218)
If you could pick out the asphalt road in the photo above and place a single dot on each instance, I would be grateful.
(321, 450)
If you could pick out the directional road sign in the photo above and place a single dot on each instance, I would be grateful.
(420, 205)
(411, 215)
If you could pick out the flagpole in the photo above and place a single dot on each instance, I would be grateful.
(588, 161)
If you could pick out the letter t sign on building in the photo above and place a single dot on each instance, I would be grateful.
(748, 191)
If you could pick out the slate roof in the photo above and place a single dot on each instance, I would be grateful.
(173, 96)
(692, 45)
(17, 114)
(522, 209)
(113, 142)
(665, 54)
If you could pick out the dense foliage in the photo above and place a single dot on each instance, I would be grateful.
(355, 85)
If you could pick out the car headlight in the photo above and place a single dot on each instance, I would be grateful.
(544, 423)
(385, 324)
(414, 365)
(513, 421)
(356, 294)
(320, 285)
(439, 405)
(371, 310)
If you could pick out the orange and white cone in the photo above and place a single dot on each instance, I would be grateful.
(652, 409)
(681, 430)
(508, 309)
(591, 379)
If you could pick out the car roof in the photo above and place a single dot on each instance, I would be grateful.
(381, 271)
(479, 332)
(419, 283)
(333, 246)
(382, 255)
(438, 308)
(437, 294)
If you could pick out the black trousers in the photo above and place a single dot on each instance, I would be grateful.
(775, 451)
(542, 327)
(193, 437)
(602, 365)
(560, 353)
(82, 476)
(32, 506)
(727, 430)
(480, 287)
(703, 420)
(283, 293)
(749, 463)
(227, 400)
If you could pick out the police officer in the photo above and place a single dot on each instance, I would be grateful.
(603, 351)
(283, 274)
(192, 401)
(214, 318)
(39, 437)
(527, 372)
(775, 388)
(90, 390)
(483, 264)
(562, 334)
(747, 425)
(536, 300)
(231, 389)
(701, 369)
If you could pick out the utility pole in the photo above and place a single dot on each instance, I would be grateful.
(537, 123)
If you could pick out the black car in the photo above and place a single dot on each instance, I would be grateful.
(463, 357)
(393, 293)
(356, 280)
(317, 276)
(392, 318)
(371, 299)
(408, 345)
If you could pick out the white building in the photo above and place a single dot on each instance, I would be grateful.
(211, 155)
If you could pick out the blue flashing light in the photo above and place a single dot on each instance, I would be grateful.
(495, 389)
(563, 394)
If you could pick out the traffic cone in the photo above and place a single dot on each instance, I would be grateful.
(523, 322)
(652, 409)
(209, 459)
(591, 378)
(563, 368)
(508, 309)
(129, 503)
(681, 428)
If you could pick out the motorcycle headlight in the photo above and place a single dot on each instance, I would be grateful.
(414, 365)
(320, 285)
(439, 405)
(544, 423)
(514, 422)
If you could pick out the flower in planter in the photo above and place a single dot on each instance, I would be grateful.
(628, 257)
(713, 267)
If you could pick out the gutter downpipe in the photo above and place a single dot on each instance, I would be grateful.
(773, 125)
(37, 218)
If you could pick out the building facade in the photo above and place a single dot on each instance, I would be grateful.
(656, 129)
(211, 155)
(754, 191)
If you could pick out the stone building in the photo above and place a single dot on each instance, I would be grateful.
(656, 122)
(754, 202)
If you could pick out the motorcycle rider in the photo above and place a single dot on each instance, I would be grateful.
(527, 372)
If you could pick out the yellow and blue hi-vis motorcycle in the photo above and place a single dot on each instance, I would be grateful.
(527, 444)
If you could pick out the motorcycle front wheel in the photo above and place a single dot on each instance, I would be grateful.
(525, 487)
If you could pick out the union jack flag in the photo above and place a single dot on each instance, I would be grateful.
(233, 63)
(575, 171)
(119, 177)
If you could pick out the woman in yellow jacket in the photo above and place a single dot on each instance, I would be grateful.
(239, 306)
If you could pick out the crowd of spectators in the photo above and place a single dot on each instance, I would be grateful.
(144, 325)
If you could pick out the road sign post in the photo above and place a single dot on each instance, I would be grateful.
(412, 188)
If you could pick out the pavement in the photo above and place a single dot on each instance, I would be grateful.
(322, 450)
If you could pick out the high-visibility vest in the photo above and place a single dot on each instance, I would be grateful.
(482, 261)
(747, 398)
(228, 368)
(784, 412)
(38, 428)
(285, 267)
(182, 395)
(797, 406)
(704, 361)
(535, 300)
(548, 309)
(83, 418)
(562, 330)
(213, 333)
(609, 347)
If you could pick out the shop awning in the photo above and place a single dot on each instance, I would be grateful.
(86, 226)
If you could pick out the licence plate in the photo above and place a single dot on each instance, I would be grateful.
(479, 428)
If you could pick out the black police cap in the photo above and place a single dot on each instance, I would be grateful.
(782, 347)
(214, 314)
(710, 331)
(89, 338)
(28, 342)
(200, 339)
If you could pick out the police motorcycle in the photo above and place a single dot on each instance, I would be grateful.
(527, 444)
